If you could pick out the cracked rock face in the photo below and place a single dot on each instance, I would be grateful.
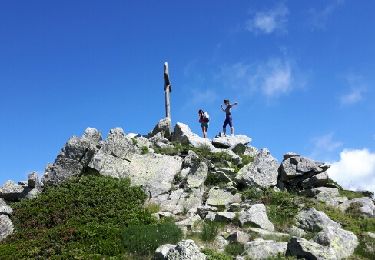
(74, 157)
(230, 141)
(184, 250)
(183, 134)
(297, 172)
(302, 248)
(262, 172)
(329, 233)
(4, 208)
(6, 227)
(264, 249)
(257, 215)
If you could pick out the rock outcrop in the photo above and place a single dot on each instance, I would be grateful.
(327, 232)
(264, 249)
(184, 250)
(74, 157)
(262, 172)
(299, 173)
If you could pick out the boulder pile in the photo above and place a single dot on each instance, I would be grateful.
(196, 180)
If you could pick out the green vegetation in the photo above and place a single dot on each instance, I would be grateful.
(144, 150)
(350, 194)
(85, 217)
(144, 239)
(176, 149)
(209, 231)
(282, 207)
(234, 249)
(213, 255)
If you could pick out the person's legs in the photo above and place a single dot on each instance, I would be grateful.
(231, 126)
(225, 125)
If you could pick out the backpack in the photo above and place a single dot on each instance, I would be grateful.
(206, 117)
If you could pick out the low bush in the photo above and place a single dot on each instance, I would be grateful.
(213, 255)
(144, 239)
(209, 231)
(82, 218)
(234, 249)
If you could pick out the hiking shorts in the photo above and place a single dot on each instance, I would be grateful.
(228, 121)
(205, 124)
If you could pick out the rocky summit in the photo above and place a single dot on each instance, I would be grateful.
(197, 199)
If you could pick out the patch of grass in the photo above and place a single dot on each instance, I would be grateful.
(366, 247)
(153, 207)
(246, 159)
(144, 150)
(144, 239)
(234, 249)
(82, 218)
(350, 194)
(209, 231)
(176, 149)
(213, 255)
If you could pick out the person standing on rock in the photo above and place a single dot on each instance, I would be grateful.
(228, 116)
(203, 119)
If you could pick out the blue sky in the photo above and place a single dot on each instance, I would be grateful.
(302, 72)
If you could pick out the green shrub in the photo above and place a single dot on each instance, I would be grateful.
(350, 194)
(144, 239)
(366, 247)
(234, 249)
(209, 231)
(81, 218)
(144, 150)
(213, 255)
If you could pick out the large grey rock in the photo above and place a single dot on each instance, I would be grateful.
(297, 172)
(220, 243)
(226, 217)
(74, 157)
(263, 249)
(330, 196)
(239, 236)
(181, 201)
(4, 208)
(302, 248)
(257, 215)
(342, 242)
(365, 206)
(197, 175)
(329, 232)
(230, 141)
(164, 127)
(6, 227)
(184, 250)
(11, 191)
(262, 172)
(154, 172)
(183, 134)
(220, 197)
(313, 220)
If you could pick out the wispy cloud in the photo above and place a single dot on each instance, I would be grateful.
(267, 22)
(324, 146)
(319, 17)
(273, 78)
(355, 170)
(357, 88)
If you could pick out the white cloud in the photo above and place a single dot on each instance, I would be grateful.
(354, 96)
(355, 170)
(357, 89)
(319, 17)
(324, 146)
(272, 78)
(273, 20)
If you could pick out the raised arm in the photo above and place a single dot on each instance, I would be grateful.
(222, 108)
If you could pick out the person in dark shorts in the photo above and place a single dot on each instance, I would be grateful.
(228, 116)
(203, 119)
